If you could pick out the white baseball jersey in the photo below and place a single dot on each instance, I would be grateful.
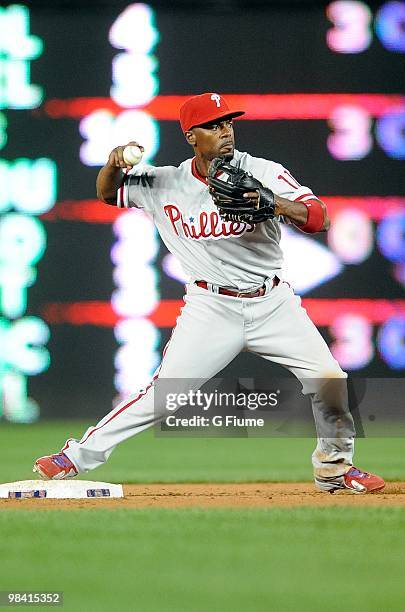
(230, 254)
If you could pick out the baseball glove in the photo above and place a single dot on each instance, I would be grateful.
(228, 183)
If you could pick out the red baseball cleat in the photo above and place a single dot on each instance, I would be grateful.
(354, 480)
(55, 467)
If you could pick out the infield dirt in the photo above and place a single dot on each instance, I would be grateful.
(214, 495)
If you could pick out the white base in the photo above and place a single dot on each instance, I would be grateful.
(60, 489)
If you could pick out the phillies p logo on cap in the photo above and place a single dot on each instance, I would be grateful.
(205, 108)
(217, 99)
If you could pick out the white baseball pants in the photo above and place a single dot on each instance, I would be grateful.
(213, 329)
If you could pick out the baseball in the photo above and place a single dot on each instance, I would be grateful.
(132, 155)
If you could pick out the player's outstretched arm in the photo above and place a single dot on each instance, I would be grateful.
(109, 178)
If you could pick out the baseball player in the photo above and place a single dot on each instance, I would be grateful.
(219, 213)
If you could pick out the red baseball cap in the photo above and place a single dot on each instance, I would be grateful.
(205, 108)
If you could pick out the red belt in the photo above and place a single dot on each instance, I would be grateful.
(223, 291)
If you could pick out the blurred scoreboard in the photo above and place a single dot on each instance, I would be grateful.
(88, 294)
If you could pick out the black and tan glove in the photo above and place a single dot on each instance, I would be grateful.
(227, 184)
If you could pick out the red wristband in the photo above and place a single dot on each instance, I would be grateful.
(316, 217)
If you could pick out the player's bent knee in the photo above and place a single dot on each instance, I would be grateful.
(325, 377)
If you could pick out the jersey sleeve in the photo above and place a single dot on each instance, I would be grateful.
(136, 188)
(278, 179)
(286, 186)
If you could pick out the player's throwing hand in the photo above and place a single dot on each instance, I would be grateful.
(116, 157)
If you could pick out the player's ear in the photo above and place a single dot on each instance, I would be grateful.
(190, 137)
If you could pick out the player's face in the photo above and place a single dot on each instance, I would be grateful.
(215, 139)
